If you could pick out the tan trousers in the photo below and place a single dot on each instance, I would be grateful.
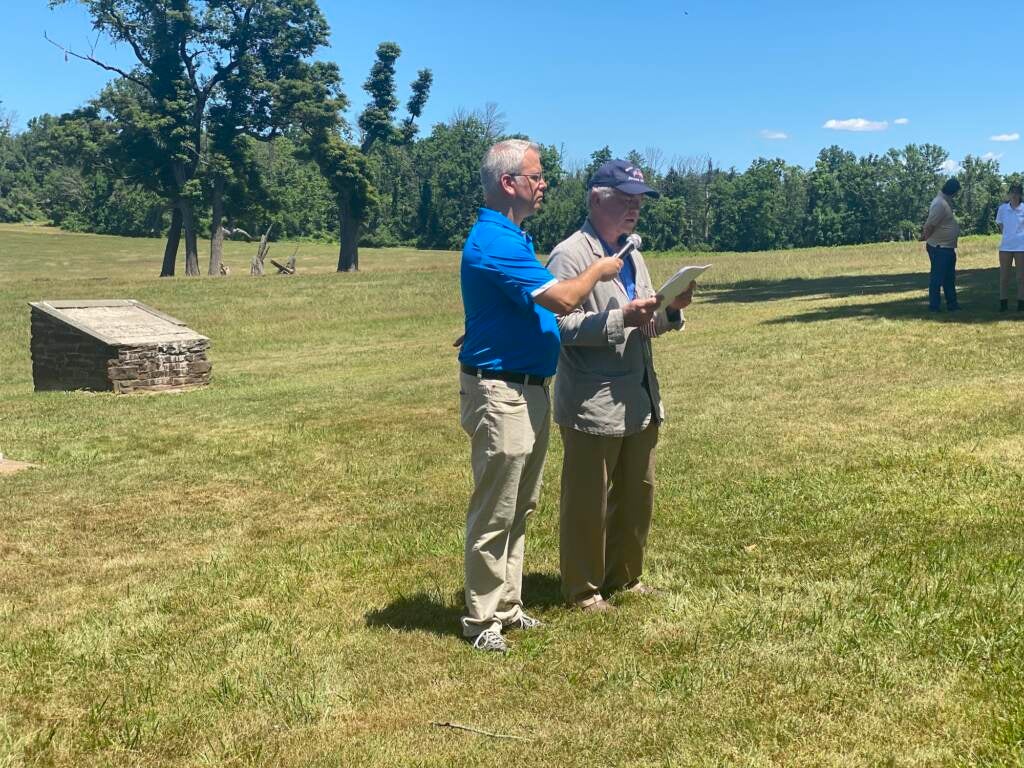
(508, 425)
(606, 506)
(1006, 260)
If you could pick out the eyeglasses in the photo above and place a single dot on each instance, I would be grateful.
(629, 201)
(536, 178)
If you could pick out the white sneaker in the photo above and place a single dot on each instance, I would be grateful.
(490, 640)
(524, 621)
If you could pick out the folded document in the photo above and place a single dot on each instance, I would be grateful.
(679, 282)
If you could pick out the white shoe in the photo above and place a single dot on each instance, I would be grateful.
(490, 640)
(524, 622)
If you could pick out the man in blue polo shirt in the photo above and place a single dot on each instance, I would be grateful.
(508, 356)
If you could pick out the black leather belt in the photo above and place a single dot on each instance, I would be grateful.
(515, 378)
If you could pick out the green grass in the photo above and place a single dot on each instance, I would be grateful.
(267, 572)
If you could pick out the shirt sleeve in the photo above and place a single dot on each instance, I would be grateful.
(1001, 214)
(517, 272)
(538, 291)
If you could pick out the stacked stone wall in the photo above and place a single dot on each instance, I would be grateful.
(177, 365)
(67, 358)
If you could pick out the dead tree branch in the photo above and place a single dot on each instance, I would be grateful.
(471, 729)
(101, 64)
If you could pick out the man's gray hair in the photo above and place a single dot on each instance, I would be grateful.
(602, 193)
(505, 157)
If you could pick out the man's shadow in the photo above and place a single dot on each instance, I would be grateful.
(425, 612)
(977, 289)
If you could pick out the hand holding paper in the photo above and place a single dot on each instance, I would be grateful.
(679, 283)
(684, 299)
(639, 311)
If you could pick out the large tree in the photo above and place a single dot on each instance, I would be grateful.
(318, 103)
(246, 108)
(186, 52)
(346, 165)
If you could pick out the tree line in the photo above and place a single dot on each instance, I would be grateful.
(225, 124)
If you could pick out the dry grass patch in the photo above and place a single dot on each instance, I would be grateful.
(267, 572)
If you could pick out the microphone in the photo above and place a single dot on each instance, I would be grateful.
(629, 243)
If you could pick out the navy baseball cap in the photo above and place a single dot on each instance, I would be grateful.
(622, 176)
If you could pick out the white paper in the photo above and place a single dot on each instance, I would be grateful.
(679, 282)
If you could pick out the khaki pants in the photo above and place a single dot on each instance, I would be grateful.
(606, 506)
(1006, 260)
(508, 425)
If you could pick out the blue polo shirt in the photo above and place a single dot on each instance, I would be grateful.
(505, 329)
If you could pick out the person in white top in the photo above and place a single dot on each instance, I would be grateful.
(1010, 218)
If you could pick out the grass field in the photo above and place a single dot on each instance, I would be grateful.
(267, 572)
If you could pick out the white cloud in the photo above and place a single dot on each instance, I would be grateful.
(901, 121)
(992, 156)
(951, 166)
(856, 124)
(1005, 137)
(774, 135)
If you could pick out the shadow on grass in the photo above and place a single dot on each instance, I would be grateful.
(834, 286)
(542, 591)
(423, 612)
(977, 292)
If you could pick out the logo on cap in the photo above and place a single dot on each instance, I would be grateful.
(635, 173)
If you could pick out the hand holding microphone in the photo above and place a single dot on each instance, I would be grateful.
(610, 265)
(608, 268)
(628, 244)
(639, 311)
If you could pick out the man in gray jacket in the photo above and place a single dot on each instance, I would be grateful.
(606, 400)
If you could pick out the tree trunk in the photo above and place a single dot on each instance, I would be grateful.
(173, 238)
(188, 222)
(257, 267)
(217, 227)
(348, 253)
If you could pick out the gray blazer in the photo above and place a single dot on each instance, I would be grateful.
(599, 387)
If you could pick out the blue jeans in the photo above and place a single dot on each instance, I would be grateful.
(943, 275)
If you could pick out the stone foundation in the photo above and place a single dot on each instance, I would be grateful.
(67, 358)
(67, 355)
(163, 367)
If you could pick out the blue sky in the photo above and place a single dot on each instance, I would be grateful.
(732, 80)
